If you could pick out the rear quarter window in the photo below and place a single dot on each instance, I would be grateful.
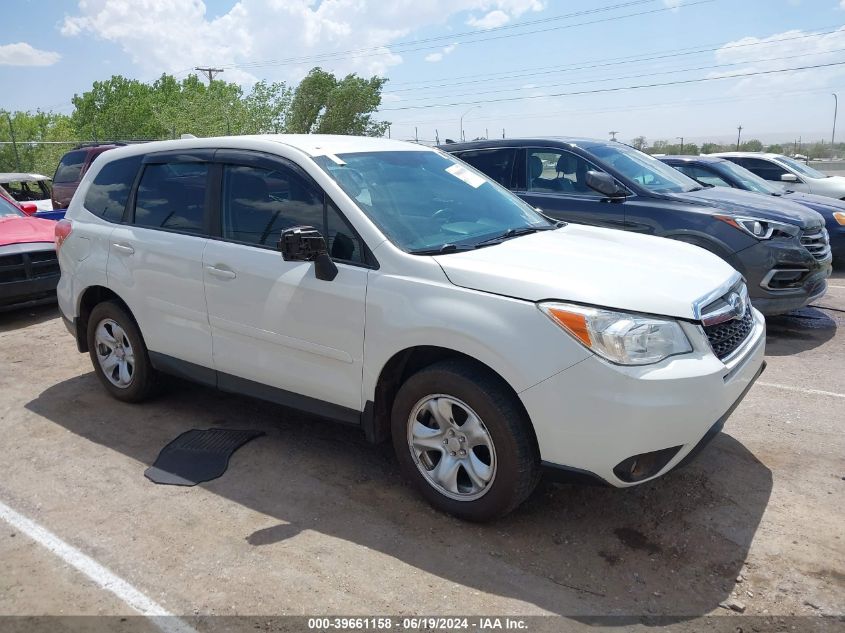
(108, 193)
(70, 167)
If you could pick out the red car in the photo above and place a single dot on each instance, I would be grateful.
(72, 167)
(29, 270)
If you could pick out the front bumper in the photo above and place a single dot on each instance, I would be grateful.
(595, 416)
(758, 264)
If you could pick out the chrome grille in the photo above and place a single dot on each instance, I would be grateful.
(24, 266)
(816, 241)
(726, 337)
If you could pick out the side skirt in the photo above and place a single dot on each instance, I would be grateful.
(241, 386)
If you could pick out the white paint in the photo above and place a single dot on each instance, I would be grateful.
(817, 392)
(163, 619)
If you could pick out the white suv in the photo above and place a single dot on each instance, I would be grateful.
(788, 173)
(412, 297)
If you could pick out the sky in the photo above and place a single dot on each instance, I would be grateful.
(661, 69)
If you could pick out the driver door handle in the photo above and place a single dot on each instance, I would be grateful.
(221, 273)
(124, 248)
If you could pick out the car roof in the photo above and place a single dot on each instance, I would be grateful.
(554, 141)
(21, 177)
(749, 154)
(310, 144)
(705, 158)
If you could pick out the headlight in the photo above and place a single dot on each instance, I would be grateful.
(839, 217)
(761, 229)
(625, 339)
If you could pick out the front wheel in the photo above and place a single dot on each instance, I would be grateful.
(462, 437)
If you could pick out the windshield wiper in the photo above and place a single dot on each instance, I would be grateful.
(513, 233)
(446, 248)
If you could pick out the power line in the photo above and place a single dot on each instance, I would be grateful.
(648, 74)
(389, 49)
(209, 72)
(608, 61)
(615, 89)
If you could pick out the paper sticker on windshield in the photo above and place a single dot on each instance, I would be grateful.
(459, 171)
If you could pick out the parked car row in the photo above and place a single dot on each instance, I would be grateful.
(781, 248)
(714, 171)
(394, 287)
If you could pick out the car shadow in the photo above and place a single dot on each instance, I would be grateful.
(16, 318)
(672, 547)
(799, 331)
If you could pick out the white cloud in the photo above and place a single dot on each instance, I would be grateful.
(790, 49)
(176, 35)
(439, 55)
(672, 4)
(22, 54)
(490, 20)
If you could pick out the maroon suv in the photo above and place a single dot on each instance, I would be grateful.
(72, 168)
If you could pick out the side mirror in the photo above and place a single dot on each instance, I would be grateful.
(29, 208)
(305, 244)
(789, 178)
(605, 184)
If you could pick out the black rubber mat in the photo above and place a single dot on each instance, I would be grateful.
(197, 455)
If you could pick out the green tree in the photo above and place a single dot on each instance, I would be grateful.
(711, 148)
(752, 145)
(267, 107)
(325, 105)
(639, 142)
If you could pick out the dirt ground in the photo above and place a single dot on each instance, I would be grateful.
(311, 520)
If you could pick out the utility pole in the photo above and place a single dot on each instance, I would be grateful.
(14, 142)
(209, 72)
(833, 134)
(503, 132)
(462, 121)
(738, 136)
(682, 143)
(416, 135)
(613, 134)
(436, 136)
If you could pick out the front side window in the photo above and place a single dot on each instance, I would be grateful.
(551, 171)
(426, 200)
(8, 209)
(109, 192)
(749, 181)
(645, 170)
(172, 197)
(496, 163)
(70, 167)
(765, 169)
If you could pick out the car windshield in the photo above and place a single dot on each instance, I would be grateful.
(425, 201)
(801, 168)
(7, 209)
(643, 169)
(749, 181)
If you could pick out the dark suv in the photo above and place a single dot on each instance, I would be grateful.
(72, 167)
(780, 247)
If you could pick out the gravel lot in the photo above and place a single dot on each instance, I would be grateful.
(310, 519)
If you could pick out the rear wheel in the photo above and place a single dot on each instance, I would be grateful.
(462, 436)
(118, 353)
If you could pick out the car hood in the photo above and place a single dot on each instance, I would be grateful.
(817, 203)
(603, 267)
(18, 230)
(748, 203)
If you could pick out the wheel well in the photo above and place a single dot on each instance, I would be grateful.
(90, 298)
(398, 369)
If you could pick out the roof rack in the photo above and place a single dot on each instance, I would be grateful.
(98, 144)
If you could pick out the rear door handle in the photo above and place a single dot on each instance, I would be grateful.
(221, 273)
(124, 248)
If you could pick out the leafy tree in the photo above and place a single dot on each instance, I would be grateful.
(639, 142)
(752, 145)
(711, 148)
(309, 101)
(266, 108)
(775, 149)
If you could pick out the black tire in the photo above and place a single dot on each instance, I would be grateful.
(517, 457)
(143, 377)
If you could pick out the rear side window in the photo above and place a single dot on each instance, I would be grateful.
(109, 192)
(70, 167)
(172, 196)
(763, 168)
(496, 163)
